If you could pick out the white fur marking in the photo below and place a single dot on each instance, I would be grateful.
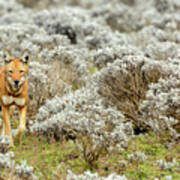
(7, 100)
(22, 80)
(19, 101)
(10, 81)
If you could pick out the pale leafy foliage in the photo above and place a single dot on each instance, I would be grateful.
(90, 176)
(132, 49)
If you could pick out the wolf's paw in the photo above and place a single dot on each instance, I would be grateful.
(5, 143)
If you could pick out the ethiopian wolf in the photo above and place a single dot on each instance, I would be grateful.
(14, 92)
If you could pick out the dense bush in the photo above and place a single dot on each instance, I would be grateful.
(125, 82)
(11, 170)
(82, 113)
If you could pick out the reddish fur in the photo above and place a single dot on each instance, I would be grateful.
(16, 75)
(6, 89)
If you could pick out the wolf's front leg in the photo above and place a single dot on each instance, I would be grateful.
(6, 124)
(22, 124)
(11, 112)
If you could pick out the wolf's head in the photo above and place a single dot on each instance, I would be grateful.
(16, 69)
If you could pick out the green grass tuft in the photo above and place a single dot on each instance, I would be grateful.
(51, 161)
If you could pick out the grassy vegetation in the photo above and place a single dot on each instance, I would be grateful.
(51, 160)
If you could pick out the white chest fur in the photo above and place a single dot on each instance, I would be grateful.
(7, 100)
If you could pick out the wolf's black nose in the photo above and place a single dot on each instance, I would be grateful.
(16, 82)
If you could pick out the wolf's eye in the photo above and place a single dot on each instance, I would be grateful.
(21, 71)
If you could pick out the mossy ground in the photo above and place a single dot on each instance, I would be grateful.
(52, 160)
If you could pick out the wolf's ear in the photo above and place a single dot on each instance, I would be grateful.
(25, 56)
(6, 56)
